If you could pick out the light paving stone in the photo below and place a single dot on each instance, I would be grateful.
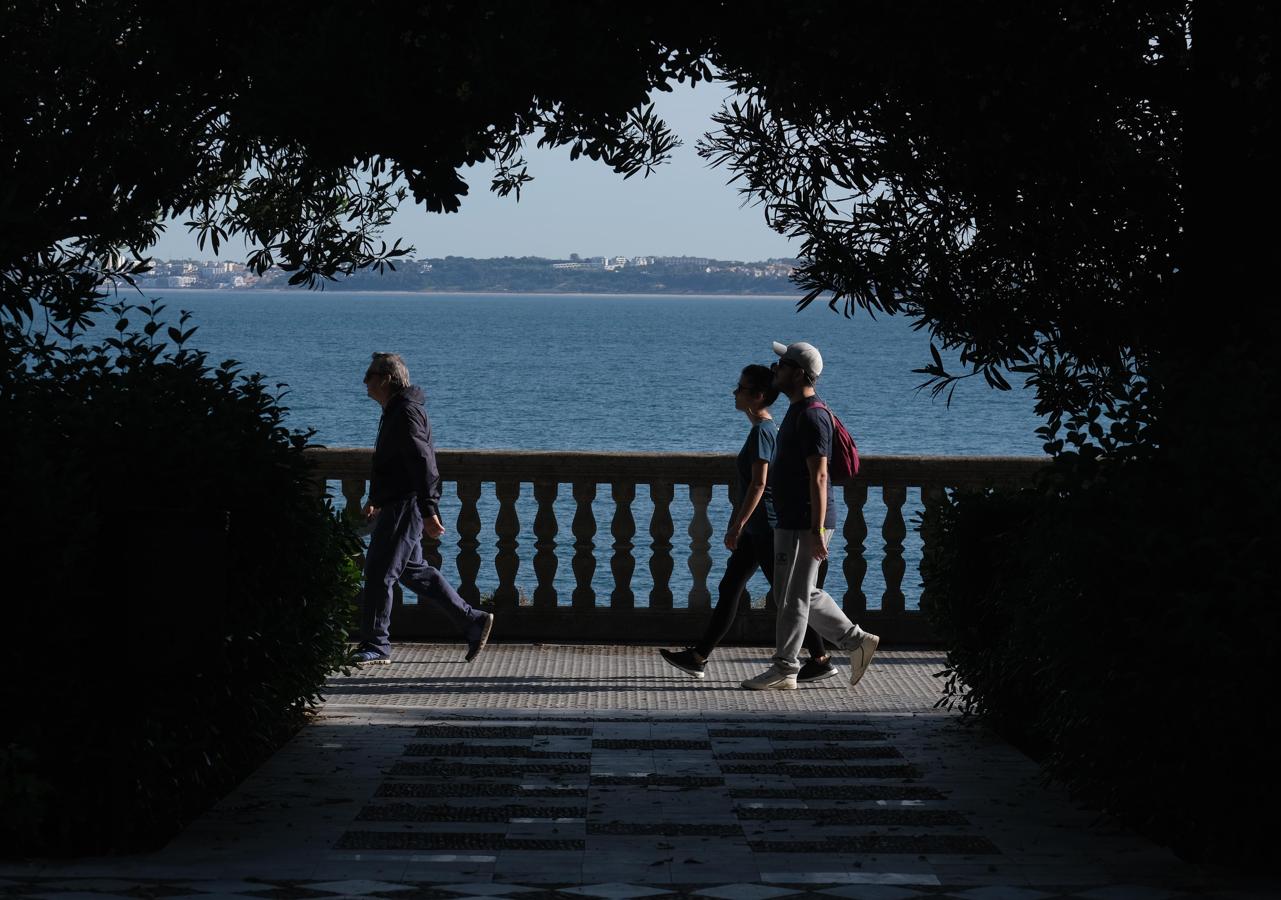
(224, 886)
(447, 873)
(356, 887)
(1126, 892)
(484, 889)
(744, 892)
(878, 878)
(872, 892)
(1002, 892)
(616, 891)
(92, 884)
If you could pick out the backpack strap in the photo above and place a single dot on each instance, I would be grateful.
(819, 404)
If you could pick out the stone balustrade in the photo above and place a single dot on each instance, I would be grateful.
(545, 614)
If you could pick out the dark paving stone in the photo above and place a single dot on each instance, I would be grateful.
(394, 840)
(664, 828)
(855, 816)
(611, 744)
(882, 843)
(473, 789)
(784, 770)
(490, 770)
(500, 751)
(799, 734)
(409, 840)
(659, 780)
(543, 844)
(411, 812)
(514, 731)
(850, 792)
(817, 753)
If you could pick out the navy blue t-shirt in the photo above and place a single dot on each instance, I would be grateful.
(759, 445)
(806, 431)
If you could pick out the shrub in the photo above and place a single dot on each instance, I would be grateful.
(182, 589)
(1118, 622)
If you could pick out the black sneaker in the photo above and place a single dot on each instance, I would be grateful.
(686, 660)
(817, 670)
(368, 657)
(477, 644)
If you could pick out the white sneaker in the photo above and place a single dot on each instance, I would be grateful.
(771, 680)
(861, 656)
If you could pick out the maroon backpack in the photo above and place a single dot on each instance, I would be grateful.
(844, 462)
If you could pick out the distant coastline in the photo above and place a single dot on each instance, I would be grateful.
(598, 276)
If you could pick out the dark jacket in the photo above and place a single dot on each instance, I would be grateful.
(405, 455)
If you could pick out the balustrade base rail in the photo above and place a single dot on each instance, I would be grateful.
(637, 626)
(587, 547)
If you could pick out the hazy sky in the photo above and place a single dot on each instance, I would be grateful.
(684, 208)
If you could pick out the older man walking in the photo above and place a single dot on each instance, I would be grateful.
(404, 490)
(806, 516)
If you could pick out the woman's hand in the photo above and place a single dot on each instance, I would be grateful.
(370, 512)
(433, 527)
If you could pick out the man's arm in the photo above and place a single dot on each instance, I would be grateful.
(817, 466)
(424, 476)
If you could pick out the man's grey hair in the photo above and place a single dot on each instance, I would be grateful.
(392, 366)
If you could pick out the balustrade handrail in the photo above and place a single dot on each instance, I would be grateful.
(681, 468)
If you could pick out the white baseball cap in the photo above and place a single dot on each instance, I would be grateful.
(804, 355)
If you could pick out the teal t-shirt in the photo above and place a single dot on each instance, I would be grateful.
(760, 444)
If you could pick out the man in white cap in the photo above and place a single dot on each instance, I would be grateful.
(806, 516)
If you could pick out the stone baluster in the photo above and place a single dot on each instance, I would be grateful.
(353, 491)
(931, 496)
(855, 565)
(584, 563)
(623, 528)
(545, 562)
(506, 559)
(893, 531)
(468, 544)
(661, 530)
(700, 536)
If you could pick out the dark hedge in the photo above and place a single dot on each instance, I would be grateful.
(1119, 623)
(180, 591)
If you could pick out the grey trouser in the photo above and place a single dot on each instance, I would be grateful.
(801, 603)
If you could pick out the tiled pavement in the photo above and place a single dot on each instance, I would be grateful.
(599, 772)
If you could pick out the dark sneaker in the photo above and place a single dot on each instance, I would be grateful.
(817, 670)
(686, 660)
(477, 644)
(368, 657)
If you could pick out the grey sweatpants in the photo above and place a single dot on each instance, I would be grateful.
(801, 603)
